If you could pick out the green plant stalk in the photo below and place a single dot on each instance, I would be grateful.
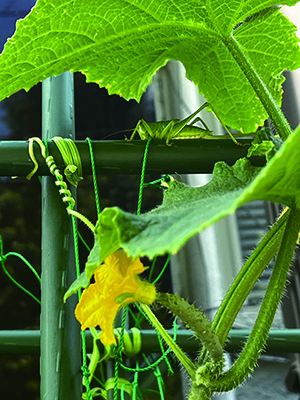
(200, 393)
(256, 341)
(278, 119)
(247, 277)
(185, 361)
(244, 282)
(82, 218)
(195, 320)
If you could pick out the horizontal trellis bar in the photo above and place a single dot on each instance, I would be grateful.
(120, 157)
(279, 340)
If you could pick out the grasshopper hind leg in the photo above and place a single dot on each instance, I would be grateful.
(135, 131)
(198, 119)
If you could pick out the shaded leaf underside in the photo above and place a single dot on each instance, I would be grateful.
(188, 210)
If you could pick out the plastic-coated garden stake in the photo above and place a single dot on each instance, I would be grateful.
(60, 332)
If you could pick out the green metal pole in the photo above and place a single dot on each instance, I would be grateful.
(60, 337)
(114, 157)
(279, 341)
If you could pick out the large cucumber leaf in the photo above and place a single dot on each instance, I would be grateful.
(186, 211)
(120, 44)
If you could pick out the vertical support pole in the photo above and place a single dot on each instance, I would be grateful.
(60, 337)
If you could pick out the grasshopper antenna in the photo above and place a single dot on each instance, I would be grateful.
(117, 132)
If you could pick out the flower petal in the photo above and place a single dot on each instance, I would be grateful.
(114, 279)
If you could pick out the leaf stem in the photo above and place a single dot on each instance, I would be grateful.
(244, 282)
(185, 361)
(246, 279)
(280, 123)
(195, 320)
(256, 341)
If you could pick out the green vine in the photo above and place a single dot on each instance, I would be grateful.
(273, 110)
(256, 341)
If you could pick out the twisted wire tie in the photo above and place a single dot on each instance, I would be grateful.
(50, 162)
(71, 158)
(64, 191)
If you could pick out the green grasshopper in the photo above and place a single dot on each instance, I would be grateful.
(177, 129)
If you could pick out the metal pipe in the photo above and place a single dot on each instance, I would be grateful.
(279, 341)
(60, 332)
(119, 157)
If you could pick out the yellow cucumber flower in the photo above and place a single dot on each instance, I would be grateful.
(116, 285)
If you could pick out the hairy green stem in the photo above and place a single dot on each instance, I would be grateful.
(256, 341)
(195, 320)
(82, 218)
(247, 277)
(238, 293)
(244, 282)
(279, 121)
(185, 361)
(200, 393)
